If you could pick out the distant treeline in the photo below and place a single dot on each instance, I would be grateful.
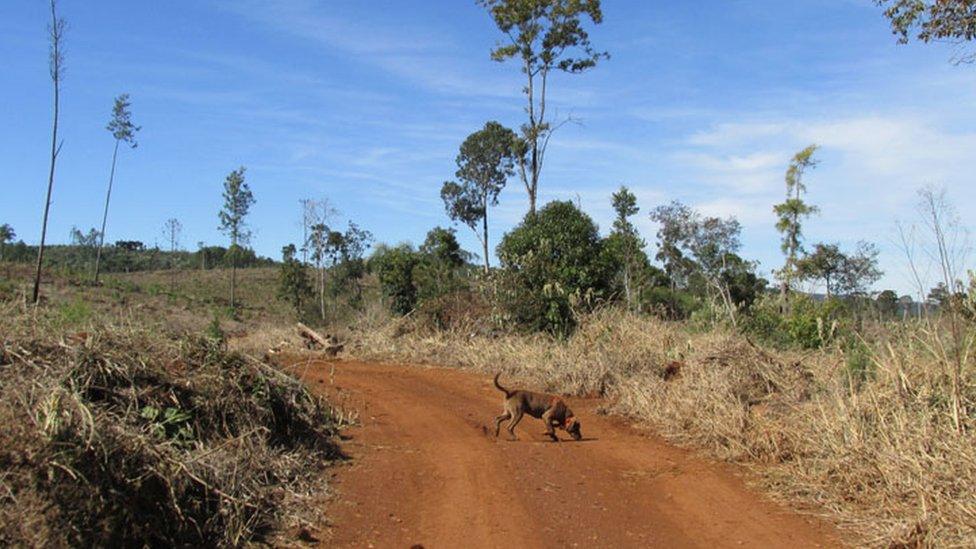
(131, 255)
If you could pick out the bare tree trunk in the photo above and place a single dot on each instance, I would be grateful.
(57, 28)
(322, 292)
(484, 228)
(233, 283)
(108, 196)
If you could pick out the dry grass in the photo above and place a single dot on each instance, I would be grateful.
(880, 454)
(119, 433)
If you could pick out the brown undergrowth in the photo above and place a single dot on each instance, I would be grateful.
(114, 434)
(868, 439)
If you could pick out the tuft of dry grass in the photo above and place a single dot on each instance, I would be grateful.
(112, 434)
(879, 454)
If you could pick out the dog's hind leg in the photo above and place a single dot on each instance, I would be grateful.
(500, 419)
(515, 421)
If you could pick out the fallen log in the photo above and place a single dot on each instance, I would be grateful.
(329, 344)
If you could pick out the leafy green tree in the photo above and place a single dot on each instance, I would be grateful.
(790, 214)
(56, 69)
(238, 200)
(674, 221)
(321, 240)
(394, 267)
(847, 274)
(928, 20)
(825, 263)
(744, 285)
(442, 245)
(7, 236)
(485, 162)
(124, 131)
(938, 295)
(700, 252)
(712, 241)
(626, 247)
(554, 262)
(84, 240)
(293, 284)
(442, 265)
(887, 303)
(544, 36)
(347, 265)
(859, 270)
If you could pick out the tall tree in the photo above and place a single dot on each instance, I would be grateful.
(318, 241)
(928, 20)
(172, 229)
(124, 131)
(485, 162)
(625, 243)
(56, 68)
(543, 35)
(237, 203)
(791, 212)
(673, 222)
(699, 248)
(346, 252)
(7, 235)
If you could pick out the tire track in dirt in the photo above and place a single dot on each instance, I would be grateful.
(425, 470)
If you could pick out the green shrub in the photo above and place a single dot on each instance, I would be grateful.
(668, 304)
(394, 267)
(859, 365)
(807, 323)
(553, 263)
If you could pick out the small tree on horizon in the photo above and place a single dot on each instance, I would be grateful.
(790, 214)
(237, 203)
(485, 162)
(172, 229)
(124, 131)
(7, 236)
(56, 68)
(544, 36)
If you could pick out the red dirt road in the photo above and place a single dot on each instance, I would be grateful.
(426, 470)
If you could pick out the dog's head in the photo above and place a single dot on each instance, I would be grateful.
(573, 428)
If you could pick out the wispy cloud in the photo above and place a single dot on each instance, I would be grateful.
(417, 56)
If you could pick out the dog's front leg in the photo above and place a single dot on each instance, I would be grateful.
(547, 418)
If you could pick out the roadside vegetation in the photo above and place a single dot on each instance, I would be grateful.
(121, 429)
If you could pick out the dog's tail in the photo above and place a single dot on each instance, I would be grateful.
(508, 393)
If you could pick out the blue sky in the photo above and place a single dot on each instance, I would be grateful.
(365, 103)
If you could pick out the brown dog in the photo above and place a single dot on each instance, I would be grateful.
(550, 409)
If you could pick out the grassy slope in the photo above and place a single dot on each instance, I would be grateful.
(122, 421)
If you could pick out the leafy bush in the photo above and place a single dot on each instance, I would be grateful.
(553, 262)
(394, 267)
(808, 324)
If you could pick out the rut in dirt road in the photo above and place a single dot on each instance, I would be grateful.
(427, 470)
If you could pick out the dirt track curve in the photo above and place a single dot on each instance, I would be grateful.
(425, 470)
